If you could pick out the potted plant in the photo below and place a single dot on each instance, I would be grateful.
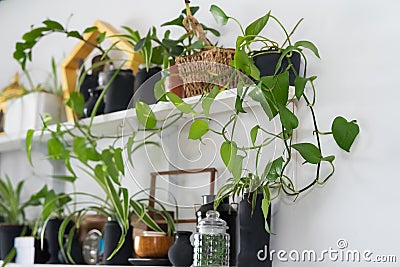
(25, 104)
(12, 208)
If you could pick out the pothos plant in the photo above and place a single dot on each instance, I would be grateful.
(272, 94)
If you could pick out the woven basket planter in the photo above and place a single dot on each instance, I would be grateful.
(202, 70)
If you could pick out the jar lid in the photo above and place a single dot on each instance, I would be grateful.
(212, 223)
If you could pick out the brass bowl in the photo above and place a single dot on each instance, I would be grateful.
(152, 246)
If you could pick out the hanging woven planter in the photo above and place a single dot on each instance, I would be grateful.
(203, 70)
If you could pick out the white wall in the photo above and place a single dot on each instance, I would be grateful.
(357, 79)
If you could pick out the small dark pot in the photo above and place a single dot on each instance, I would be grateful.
(144, 84)
(253, 236)
(7, 235)
(111, 235)
(90, 82)
(266, 63)
(41, 254)
(181, 252)
(120, 91)
(51, 233)
(89, 105)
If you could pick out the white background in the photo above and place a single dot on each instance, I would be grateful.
(357, 78)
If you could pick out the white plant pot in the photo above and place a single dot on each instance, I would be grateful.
(25, 112)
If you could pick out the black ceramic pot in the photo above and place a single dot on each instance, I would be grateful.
(7, 235)
(266, 63)
(111, 236)
(253, 237)
(75, 253)
(89, 82)
(51, 232)
(120, 91)
(89, 105)
(41, 251)
(181, 252)
(144, 84)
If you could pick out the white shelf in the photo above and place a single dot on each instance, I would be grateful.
(110, 124)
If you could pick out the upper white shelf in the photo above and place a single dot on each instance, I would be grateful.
(112, 123)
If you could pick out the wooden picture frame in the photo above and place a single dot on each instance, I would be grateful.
(153, 177)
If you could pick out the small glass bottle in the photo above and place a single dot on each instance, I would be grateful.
(211, 242)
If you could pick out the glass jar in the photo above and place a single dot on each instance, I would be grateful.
(211, 242)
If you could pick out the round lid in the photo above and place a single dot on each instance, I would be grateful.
(212, 223)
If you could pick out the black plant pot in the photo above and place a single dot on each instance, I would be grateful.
(75, 253)
(120, 91)
(266, 62)
(181, 252)
(144, 84)
(7, 235)
(111, 235)
(253, 237)
(90, 104)
(52, 229)
(41, 252)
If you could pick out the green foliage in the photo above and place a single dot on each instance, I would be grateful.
(344, 132)
(12, 207)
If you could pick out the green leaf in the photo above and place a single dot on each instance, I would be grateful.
(257, 26)
(276, 91)
(235, 167)
(129, 148)
(79, 146)
(265, 209)
(283, 55)
(198, 129)
(159, 90)
(257, 95)
(56, 149)
(274, 170)
(253, 133)
(74, 34)
(329, 158)
(140, 44)
(193, 10)
(53, 25)
(199, 44)
(76, 102)
(179, 103)
(101, 38)
(309, 45)
(344, 132)
(119, 162)
(28, 145)
(219, 15)
(213, 31)
(288, 119)
(239, 105)
(90, 29)
(34, 34)
(299, 84)
(309, 152)
(228, 152)
(145, 115)
(242, 61)
(209, 99)
(175, 22)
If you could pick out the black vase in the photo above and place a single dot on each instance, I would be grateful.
(89, 82)
(52, 229)
(266, 63)
(253, 237)
(89, 105)
(7, 235)
(144, 84)
(120, 91)
(111, 236)
(75, 253)
(181, 252)
(41, 251)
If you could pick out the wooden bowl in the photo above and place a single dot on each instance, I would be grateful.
(152, 246)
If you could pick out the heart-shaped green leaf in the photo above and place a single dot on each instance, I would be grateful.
(198, 129)
(257, 26)
(288, 119)
(253, 133)
(344, 132)
(309, 45)
(219, 15)
(299, 85)
(309, 152)
(145, 115)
